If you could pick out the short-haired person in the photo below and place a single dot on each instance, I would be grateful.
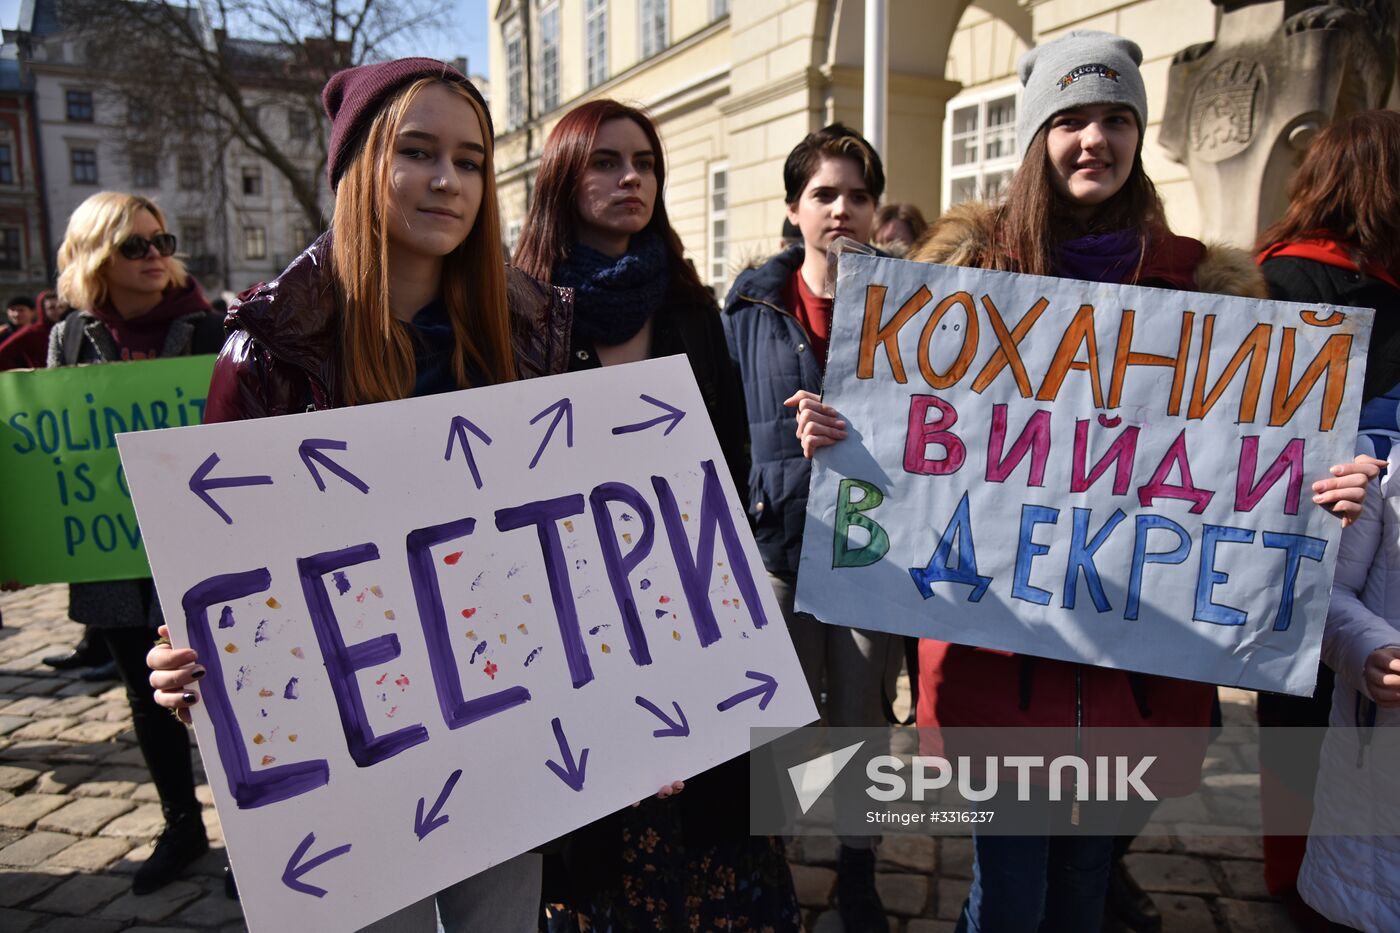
(117, 265)
(28, 347)
(406, 295)
(1080, 206)
(778, 321)
(19, 313)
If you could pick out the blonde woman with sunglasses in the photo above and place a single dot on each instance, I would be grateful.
(117, 265)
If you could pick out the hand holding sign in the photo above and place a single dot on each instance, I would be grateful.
(492, 663)
(1114, 477)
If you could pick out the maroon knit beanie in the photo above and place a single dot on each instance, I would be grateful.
(352, 99)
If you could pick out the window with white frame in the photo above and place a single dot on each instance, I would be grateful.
(11, 256)
(718, 8)
(145, 171)
(254, 242)
(652, 26)
(981, 147)
(515, 77)
(719, 228)
(194, 242)
(82, 165)
(595, 30)
(549, 57)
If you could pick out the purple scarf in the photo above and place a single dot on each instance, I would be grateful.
(1099, 257)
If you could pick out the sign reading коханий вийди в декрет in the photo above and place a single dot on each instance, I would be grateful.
(67, 515)
(440, 632)
(1100, 473)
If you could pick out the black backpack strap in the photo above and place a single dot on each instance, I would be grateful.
(74, 330)
(208, 334)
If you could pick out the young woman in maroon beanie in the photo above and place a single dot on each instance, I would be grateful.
(406, 295)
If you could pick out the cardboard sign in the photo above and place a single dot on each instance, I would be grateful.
(67, 515)
(1098, 473)
(442, 631)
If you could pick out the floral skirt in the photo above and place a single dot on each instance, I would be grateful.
(741, 885)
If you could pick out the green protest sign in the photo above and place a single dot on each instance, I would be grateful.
(65, 510)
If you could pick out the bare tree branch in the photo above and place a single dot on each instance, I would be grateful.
(214, 67)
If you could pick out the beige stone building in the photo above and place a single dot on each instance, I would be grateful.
(734, 86)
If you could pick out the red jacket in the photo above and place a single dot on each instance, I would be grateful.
(28, 347)
(963, 686)
(282, 355)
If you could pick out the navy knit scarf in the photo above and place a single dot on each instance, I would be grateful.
(613, 298)
(1100, 257)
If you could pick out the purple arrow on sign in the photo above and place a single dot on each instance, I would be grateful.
(291, 875)
(570, 773)
(680, 729)
(422, 826)
(563, 409)
(457, 435)
(767, 686)
(310, 451)
(673, 415)
(200, 484)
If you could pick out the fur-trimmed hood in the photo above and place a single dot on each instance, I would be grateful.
(963, 237)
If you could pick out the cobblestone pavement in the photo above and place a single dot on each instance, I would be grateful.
(77, 814)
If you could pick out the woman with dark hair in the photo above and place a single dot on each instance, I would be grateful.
(1339, 240)
(1080, 206)
(598, 225)
(1337, 243)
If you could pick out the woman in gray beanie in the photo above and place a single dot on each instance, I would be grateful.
(1080, 206)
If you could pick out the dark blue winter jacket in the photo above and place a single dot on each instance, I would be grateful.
(773, 353)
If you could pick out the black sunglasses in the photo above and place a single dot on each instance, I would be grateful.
(136, 246)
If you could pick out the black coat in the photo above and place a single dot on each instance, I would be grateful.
(773, 353)
(688, 323)
(714, 806)
(1292, 278)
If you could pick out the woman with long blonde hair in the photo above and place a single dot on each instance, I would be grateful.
(406, 295)
(117, 264)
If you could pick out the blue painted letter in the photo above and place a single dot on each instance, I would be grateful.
(544, 515)
(1208, 577)
(940, 569)
(342, 661)
(1027, 550)
(1141, 556)
(1295, 547)
(249, 788)
(1082, 549)
(456, 711)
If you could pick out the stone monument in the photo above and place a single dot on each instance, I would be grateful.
(1241, 110)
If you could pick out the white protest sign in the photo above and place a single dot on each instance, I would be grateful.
(443, 631)
(1099, 473)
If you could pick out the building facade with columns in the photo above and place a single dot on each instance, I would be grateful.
(734, 86)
